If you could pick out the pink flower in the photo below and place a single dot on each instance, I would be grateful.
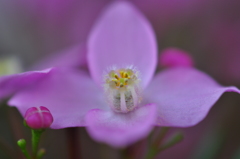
(174, 57)
(119, 100)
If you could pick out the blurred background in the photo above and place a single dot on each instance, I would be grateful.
(209, 30)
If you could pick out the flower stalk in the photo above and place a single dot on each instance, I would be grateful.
(36, 134)
(22, 144)
(40, 153)
(178, 137)
(37, 119)
(157, 146)
(162, 134)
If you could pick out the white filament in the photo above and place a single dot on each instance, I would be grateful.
(134, 96)
(123, 102)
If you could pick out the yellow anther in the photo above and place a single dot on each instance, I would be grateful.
(122, 74)
(121, 78)
(115, 80)
(116, 76)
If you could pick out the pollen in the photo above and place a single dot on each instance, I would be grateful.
(122, 88)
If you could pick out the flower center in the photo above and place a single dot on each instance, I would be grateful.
(122, 89)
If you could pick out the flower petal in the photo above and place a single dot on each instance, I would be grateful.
(12, 83)
(122, 37)
(184, 96)
(68, 94)
(71, 57)
(121, 129)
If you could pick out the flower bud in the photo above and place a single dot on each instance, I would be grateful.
(22, 143)
(174, 57)
(38, 117)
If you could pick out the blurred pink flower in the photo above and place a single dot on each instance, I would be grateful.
(174, 57)
(136, 101)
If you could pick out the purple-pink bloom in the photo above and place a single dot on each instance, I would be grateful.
(174, 57)
(122, 56)
(38, 117)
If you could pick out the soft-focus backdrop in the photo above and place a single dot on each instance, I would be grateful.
(209, 30)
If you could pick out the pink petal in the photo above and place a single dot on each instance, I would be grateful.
(68, 94)
(122, 37)
(12, 83)
(120, 129)
(74, 56)
(174, 57)
(184, 96)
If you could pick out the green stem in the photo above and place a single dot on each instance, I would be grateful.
(22, 144)
(161, 136)
(26, 154)
(150, 136)
(40, 153)
(152, 152)
(157, 146)
(36, 134)
(153, 148)
(174, 140)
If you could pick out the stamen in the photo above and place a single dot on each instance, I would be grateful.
(116, 76)
(123, 102)
(134, 96)
(122, 89)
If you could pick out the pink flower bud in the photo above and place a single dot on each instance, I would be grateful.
(38, 117)
(174, 57)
